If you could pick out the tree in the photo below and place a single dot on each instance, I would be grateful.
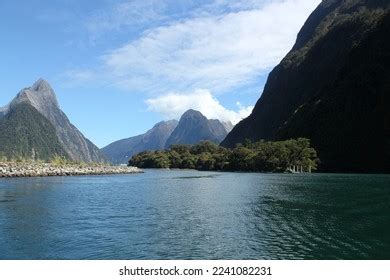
(261, 156)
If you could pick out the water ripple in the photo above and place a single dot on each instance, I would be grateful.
(196, 215)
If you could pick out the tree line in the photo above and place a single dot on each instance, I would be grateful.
(294, 155)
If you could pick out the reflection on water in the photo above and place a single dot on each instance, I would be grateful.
(196, 215)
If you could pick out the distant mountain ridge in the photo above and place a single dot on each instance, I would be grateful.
(192, 128)
(228, 125)
(333, 88)
(154, 139)
(42, 98)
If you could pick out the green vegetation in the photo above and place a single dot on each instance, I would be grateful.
(56, 161)
(61, 161)
(261, 156)
(26, 135)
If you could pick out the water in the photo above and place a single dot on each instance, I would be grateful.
(196, 215)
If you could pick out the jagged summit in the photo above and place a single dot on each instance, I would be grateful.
(41, 85)
(192, 113)
(40, 95)
(166, 123)
(194, 127)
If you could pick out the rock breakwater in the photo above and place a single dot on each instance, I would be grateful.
(47, 169)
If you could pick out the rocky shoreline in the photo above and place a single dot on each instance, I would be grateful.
(47, 169)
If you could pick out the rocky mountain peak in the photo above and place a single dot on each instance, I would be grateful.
(41, 85)
(164, 124)
(40, 95)
(192, 114)
(194, 127)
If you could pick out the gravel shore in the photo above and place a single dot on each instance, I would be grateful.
(47, 169)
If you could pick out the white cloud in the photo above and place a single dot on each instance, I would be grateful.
(214, 51)
(219, 46)
(173, 105)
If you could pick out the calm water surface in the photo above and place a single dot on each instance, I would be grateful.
(196, 215)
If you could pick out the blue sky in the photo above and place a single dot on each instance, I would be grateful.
(118, 67)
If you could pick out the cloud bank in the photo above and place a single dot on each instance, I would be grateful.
(219, 46)
(173, 105)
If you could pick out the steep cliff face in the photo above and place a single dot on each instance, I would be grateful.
(333, 87)
(228, 126)
(42, 97)
(121, 151)
(193, 127)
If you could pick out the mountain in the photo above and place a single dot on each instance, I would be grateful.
(3, 111)
(228, 126)
(26, 133)
(193, 127)
(121, 151)
(332, 87)
(42, 98)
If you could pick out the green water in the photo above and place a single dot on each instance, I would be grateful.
(196, 215)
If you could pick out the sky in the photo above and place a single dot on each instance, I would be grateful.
(120, 66)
